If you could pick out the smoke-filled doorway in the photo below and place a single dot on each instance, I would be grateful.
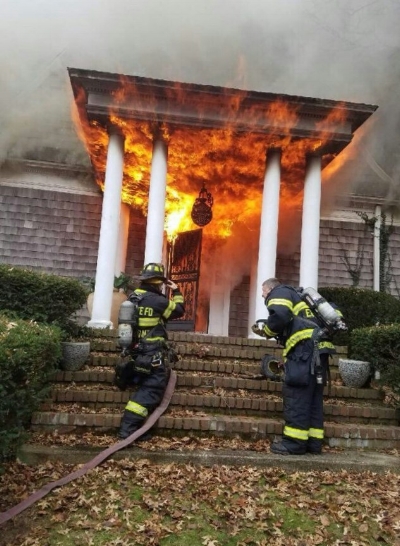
(184, 257)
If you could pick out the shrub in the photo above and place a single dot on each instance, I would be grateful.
(29, 353)
(379, 345)
(72, 331)
(40, 296)
(362, 308)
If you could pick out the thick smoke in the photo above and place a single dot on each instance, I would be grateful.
(341, 49)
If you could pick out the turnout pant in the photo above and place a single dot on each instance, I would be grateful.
(143, 401)
(303, 402)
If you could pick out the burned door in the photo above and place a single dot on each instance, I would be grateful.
(184, 256)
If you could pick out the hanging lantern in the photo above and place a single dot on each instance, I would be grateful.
(201, 210)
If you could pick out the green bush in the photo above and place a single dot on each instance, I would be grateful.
(40, 296)
(362, 308)
(379, 345)
(29, 354)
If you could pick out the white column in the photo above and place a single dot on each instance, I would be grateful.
(122, 246)
(108, 240)
(377, 248)
(310, 223)
(156, 207)
(218, 317)
(269, 229)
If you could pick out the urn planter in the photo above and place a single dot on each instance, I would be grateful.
(74, 355)
(354, 373)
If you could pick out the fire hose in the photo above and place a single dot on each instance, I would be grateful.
(102, 456)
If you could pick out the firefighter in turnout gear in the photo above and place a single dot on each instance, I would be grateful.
(150, 368)
(291, 322)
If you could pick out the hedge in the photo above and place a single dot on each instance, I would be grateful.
(362, 308)
(40, 296)
(29, 354)
(379, 345)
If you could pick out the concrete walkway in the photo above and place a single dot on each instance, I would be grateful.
(352, 461)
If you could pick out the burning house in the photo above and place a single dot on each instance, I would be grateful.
(222, 185)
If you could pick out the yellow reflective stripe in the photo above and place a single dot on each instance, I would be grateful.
(134, 407)
(301, 306)
(269, 332)
(325, 345)
(296, 433)
(156, 338)
(281, 301)
(146, 322)
(169, 309)
(317, 433)
(178, 298)
(295, 338)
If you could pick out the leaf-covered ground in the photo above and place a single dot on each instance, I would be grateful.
(126, 503)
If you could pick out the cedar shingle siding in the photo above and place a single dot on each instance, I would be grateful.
(340, 241)
(136, 242)
(57, 232)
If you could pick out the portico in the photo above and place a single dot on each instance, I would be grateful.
(289, 140)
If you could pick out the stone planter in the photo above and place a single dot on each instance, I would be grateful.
(74, 355)
(354, 373)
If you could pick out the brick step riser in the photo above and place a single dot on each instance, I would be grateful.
(202, 366)
(246, 354)
(336, 435)
(102, 399)
(232, 384)
(198, 365)
(199, 341)
(230, 368)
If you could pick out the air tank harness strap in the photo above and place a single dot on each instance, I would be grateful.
(316, 368)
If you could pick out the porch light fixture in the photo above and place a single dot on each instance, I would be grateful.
(202, 208)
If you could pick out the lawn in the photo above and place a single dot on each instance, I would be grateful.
(127, 503)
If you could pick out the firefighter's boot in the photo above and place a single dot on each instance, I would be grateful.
(130, 423)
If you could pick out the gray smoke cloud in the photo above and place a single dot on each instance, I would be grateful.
(332, 49)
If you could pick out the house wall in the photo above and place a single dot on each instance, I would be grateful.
(51, 222)
(346, 254)
(51, 231)
(393, 263)
(345, 245)
(239, 309)
(136, 243)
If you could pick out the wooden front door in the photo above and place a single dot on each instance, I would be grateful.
(184, 255)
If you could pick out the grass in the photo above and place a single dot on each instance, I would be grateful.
(126, 503)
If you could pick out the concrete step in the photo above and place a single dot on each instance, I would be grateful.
(171, 451)
(178, 422)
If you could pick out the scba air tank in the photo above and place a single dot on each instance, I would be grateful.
(325, 309)
(125, 320)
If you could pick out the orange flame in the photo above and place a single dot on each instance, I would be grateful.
(229, 163)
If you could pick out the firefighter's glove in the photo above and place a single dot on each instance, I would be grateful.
(257, 330)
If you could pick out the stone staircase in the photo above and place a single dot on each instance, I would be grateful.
(215, 395)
